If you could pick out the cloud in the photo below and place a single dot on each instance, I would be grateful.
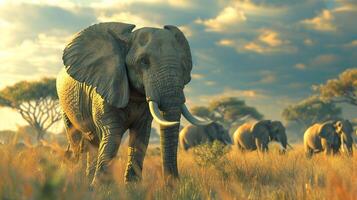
(296, 85)
(229, 92)
(197, 76)
(271, 38)
(300, 66)
(267, 42)
(323, 22)
(210, 83)
(38, 57)
(24, 21)
(235, 14)
(187, 31)
(226, 18)
(351, 44)
(268, 77)
(172, 3)
(127, 17)
(308, 42)
(324, 60)
(346, 6)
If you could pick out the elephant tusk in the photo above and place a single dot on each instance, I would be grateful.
(155, 112)
(342, 145)
(192, 119)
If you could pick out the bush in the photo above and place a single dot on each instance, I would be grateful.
(210, 154)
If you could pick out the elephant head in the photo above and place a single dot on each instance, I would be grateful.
(152, 63)
(277, 133)
(344, 130)
(330, 140)
(216, 131)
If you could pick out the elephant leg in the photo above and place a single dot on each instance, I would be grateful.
(74, 138)
(240, 147)
(261, 145)
(92, 154)
(138, 142)
(328, 150)
(309, 152)
(108, 148)
(327, 147)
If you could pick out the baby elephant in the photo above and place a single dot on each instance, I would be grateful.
(191, 136)
(257, 135)
(330, 137)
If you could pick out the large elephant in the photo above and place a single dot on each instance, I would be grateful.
(328, 137)
(117, 79)
(191, 136)
(257, 135)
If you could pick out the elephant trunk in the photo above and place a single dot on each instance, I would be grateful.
(283, 144)
(346, 142)
(169, 142)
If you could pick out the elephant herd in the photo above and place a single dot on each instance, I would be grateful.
(116, 79)
(331, 137)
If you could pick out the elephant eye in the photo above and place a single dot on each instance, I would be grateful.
(144, 61)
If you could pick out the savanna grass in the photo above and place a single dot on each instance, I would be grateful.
(207, 172)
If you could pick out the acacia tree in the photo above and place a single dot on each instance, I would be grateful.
(37, 103)
(229, 111)
(341, 89)
(310, 111)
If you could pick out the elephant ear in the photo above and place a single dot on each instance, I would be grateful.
(211, 131)
(326, 129)
(186, 58)
(259, 127)
(276, 129)
(96, 57)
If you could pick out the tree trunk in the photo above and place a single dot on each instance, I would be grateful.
(40, 133)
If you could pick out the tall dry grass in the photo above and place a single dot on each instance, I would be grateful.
(206, 173)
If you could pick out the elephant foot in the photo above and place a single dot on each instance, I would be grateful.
(282, 152)
(101, 179)
(95, 184)
(131, 176)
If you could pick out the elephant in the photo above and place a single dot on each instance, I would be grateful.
(115, 79)
(344, 130)
(329, 137)
(191, 136)
(257, 135)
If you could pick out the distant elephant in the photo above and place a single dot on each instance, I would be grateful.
(115, 79)
(257, 135)
(344, 130)
(328, 137)
(191, 136)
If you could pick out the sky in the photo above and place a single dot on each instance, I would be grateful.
(267, 52)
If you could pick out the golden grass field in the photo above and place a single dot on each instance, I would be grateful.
(41, 173)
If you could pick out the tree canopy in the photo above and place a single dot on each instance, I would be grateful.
(341, 89)
(36, 101)
(228, 111)
(310, 111)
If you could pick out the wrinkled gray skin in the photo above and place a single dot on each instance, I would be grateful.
(257, 135)
(330, 137)
(110, 75)
(191, 136)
